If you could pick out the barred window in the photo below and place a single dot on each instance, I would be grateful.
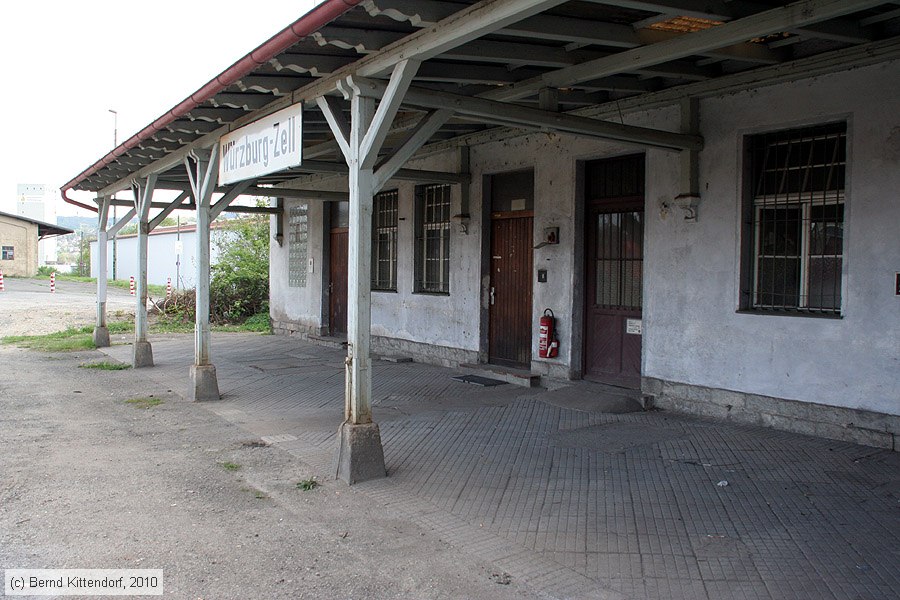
(384, 242)
(8, 253)
(298, 245)
(432, 253)
(794, 239)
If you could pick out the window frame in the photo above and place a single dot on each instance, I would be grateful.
(805, 201)
(421, 258)
(7, 253)
(392, 230)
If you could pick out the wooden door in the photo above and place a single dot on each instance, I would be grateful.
(614, 271)
(337, 296)
(510, 291)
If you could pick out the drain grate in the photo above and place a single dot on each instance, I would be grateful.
(478, 380)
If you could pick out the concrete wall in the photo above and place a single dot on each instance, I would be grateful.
(693, 332)
(23, 237)
(162, 258)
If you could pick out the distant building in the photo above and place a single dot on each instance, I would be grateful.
(38, 201)
(172, 252)
(19, 237)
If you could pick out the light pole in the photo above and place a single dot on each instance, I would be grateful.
(115, 144)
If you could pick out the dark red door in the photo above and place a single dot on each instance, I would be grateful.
(510, 291)
(337, 297)
(614, 271)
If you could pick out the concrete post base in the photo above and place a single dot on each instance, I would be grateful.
(101, 337)
(204, 385)
(360, 456)
(143, 355)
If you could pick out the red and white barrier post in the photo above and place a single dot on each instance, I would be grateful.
(168, 287)
(1, 281)
(131, 286)
(53, 282)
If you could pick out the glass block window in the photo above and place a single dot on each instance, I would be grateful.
(384, 242)
(298, 245)
(795, 232)
(432, 251)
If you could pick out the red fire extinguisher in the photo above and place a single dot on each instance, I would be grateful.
(548, 346)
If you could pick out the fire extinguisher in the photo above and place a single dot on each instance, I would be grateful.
(548, 345)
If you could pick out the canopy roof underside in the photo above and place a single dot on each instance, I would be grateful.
(569, 57)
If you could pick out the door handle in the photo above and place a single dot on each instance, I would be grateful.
(492, 295)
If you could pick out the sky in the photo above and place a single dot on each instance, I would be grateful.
(66, 64)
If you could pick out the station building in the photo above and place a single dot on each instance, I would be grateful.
(702, 194)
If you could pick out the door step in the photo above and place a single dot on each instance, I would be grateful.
(328, 341)
(520, 377)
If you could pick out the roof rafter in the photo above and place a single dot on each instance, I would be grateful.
(520, 116)
(770, 21)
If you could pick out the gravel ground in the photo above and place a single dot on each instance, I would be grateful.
(92, 481)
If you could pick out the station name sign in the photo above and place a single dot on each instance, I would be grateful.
(262, 147)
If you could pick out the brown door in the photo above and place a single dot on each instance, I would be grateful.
(510, 291)
(614, 270)
(337, 297)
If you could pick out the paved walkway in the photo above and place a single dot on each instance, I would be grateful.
(573, 501)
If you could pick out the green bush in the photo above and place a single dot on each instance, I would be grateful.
(239, 284)
(45, 271)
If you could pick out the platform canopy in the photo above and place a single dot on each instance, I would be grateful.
(502, 66)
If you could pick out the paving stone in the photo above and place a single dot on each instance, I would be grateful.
(573, 502)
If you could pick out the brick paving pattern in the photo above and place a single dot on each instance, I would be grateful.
(580, 503)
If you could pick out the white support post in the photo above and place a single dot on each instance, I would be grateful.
(360, 455)
(101, 331)
(143, 195)
(359, 267)
(202, 168)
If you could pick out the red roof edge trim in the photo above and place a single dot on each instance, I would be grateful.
(309, 23)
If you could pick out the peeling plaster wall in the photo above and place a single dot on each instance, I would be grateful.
(556, 161)
(693, 333)
(300, 306)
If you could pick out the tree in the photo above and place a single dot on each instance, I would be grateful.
(239, 285)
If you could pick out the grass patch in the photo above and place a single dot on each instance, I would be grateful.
(144, 402)
(230, 466)
(106, 366)
(152, 288)
(82, 338)
(68, 340)
(163, 324)
(308, 484)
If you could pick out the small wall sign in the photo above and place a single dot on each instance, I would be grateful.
(633, 326)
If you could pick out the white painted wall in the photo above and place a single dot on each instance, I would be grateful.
(162, 257)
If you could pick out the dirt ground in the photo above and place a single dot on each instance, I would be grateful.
(90, 480)
(28, 308)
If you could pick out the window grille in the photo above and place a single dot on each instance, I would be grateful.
(298, 245)
(8, 253)
(384, 242)
(432, 257)
(797, 219)
(620, 260)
